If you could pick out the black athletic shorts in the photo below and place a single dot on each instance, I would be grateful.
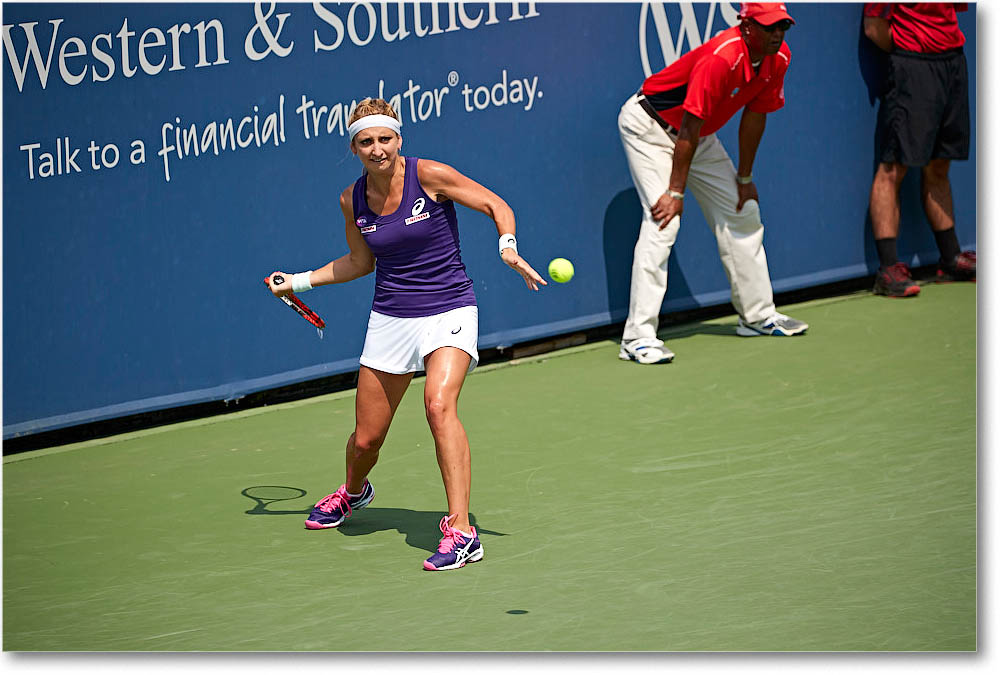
(925, 109)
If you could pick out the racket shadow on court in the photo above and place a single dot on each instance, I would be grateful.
(266, 495)
(420, 528)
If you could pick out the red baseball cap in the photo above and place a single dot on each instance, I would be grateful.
(765, 13)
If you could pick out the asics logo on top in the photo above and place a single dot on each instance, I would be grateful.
(658, 22)
(418, 206)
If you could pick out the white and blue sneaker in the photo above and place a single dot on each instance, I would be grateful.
(646, 351)
(334, 509)
(777, 324)
(455, 549)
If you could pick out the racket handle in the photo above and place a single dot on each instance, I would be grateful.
(300, 307)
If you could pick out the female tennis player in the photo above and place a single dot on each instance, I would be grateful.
(401, 214)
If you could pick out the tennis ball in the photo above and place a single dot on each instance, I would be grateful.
(561, 270)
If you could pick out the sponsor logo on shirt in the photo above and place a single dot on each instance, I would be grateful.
(368, 230)
(418, 206)
(361, 222)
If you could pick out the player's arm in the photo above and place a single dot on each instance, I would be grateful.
(670, 205)
(751, 131)
(877, 30)
(356, 263)
(443, 182)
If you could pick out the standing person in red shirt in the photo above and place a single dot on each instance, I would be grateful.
(923, 121)
(668, 130)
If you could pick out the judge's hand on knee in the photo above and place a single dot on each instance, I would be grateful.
(666, 209)
(746, 192)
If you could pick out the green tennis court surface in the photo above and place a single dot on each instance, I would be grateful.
(813, 493)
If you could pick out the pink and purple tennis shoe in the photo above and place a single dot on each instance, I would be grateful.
(334, 509)
(455, 549)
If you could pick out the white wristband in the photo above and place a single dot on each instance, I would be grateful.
(300, 282)
(744, 180)
(507, 241)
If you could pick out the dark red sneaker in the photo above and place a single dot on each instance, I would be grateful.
(962, 268)
(895, 282)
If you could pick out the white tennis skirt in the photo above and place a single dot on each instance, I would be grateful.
(399, 344)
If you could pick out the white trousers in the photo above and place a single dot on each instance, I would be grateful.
(712, 180)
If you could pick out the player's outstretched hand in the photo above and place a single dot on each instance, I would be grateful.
(521, 266)
(280, 283)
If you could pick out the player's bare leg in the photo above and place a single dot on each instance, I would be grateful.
(935, 189)
(446, 369)
(378, 397)
(893, 277)
(884, 200)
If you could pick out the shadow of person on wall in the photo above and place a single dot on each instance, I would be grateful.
(873, 63)
(621, 229)
(420, 528)
(622, 219)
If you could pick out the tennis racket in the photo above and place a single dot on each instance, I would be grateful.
(300, 307)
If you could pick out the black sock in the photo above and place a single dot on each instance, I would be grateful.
(947, 243)
(886, 251)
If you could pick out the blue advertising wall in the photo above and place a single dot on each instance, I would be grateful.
(132, 270)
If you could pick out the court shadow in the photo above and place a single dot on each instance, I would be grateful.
(420, 528)
(696, 328)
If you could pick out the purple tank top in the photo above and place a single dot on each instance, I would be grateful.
(418, 264)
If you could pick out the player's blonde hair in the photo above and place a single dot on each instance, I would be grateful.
(372, 106)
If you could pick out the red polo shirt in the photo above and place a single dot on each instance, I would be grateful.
(925, 27)
(715, 81)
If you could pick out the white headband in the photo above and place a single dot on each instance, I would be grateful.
(369, 121)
